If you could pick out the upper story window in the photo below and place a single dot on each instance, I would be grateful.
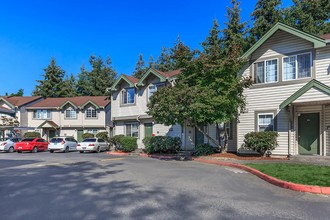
(91, 113)
(266, 122)
(297, 66)
(70, 113)
(153, 88)
(128, 96)
(41, 114)
(266, 71)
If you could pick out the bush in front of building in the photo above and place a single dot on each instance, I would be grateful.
(116, 141)
(103, 135)
(128, 144)
(162, 144)
(204, 150)
(32, 134)
(262, 142)
(87, 135)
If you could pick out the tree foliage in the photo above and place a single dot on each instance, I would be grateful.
(9, 121)
(20, 92)
(70, 86)
(52, 83)
(140, 68)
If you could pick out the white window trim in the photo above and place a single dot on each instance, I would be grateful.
(138, 129)
(122, 96)
(96, 113)
(42, 114)
(296, 66)
(70, 109)
(272, 114)
(161, 84)
(264, 61)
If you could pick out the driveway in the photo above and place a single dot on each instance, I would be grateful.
(100, 186)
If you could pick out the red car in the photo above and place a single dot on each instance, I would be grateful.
(31, 144)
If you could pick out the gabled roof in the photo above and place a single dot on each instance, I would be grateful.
(6, 110)
(90, 102)
(129, 79)
(311, 84)
(317, 41)
(79, 102)
(163, 76)
(50, 123)
(325, 36)
(18, 101)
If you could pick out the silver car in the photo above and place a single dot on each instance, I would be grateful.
(7, 144)
(93, 144)
(64, 144)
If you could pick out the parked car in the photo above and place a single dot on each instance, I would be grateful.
(64, 144)
(7, 144)
(31, 144)
(93, 144)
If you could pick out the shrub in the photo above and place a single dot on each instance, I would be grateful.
(103, 135)
(203, 150)
(128, 144)
(32, 134)
(146, 141)
(162, 144)
(261, 142)
(116, 141)
(87, 135)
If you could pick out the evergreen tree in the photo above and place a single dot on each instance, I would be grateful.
(310, 16)
(164, 62)
(52, 85)
(265, 15)
(151, 62)
(233, 34)
(181, 54)
(98, 80)
(140, 68)
(70, 86)
(20, 92)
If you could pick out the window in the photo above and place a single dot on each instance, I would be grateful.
(153, 88)
(128, 96)
(266, 122)
(41, 114)
(91, 113)
(266, 71)
(132, 129)
(297, 66)
(70, 113)
(92, 131)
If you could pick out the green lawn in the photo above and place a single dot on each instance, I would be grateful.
(297, 173)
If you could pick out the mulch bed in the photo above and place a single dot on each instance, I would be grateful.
(245, 157)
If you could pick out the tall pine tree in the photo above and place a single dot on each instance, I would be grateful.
(140, 68)
(165, 62)
(70, 86)
(265, 15)
(52, 85)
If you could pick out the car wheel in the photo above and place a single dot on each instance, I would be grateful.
(81, 151)
(34, 150)
(98, 150)
(11, 150)
(66, 149)
(51, 151)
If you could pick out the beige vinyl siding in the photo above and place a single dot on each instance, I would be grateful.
(322, 65)
(312, 95)
(327, 127)
(281, 43)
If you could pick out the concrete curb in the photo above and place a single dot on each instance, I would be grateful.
(117, 153)
(270, 179)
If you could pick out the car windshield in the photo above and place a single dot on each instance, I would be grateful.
(27, 139)
(56, 140)
(90, 140)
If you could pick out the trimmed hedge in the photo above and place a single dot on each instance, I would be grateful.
(262, 142)
(103, 135)
(124, 143)
(87, 135)
(204, 150)
(32, 134)
(162, 144)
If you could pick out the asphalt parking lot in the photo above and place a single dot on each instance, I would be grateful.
(100, 186)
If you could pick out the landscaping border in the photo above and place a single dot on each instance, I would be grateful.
(270, 179)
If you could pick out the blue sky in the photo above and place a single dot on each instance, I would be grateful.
(31, 32)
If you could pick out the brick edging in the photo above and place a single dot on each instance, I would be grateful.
(270, 179)
(117, 153)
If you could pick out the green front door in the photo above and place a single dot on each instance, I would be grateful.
(309, 133)
(80, 135)
(199, 137)
(148, 129)
(51, 134)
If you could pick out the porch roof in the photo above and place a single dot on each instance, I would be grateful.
(313, 84)
(49, 123)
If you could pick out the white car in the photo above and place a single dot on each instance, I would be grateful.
(93, 144)
(64, 144)
(8, 144)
